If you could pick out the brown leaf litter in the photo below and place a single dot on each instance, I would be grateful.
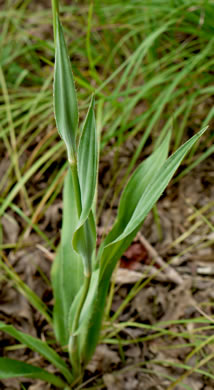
(180, 287)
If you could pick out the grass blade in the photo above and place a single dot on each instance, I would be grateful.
(26, 291)
(10, 368)
(38, 346)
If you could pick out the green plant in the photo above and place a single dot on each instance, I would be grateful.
(80, 276)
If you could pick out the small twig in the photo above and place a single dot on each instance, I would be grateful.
(203, 313)
(49, 255)
(171, 273)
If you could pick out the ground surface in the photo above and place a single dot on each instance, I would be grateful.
(182, 291)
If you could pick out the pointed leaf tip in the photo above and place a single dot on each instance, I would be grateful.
(157, 185)
(65, 101)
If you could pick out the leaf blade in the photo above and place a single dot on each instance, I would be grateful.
(87, 162)
(158, 184)
(135, 188)
(84, 238)
(67, 269)
(38, 346)
(65, 101)
(10, 368)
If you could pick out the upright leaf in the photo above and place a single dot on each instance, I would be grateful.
(157, 185)
(65, 101)
(87, 162)
(129, 200)
(67, 270)
(84, 239)
(136, 187)
(10, 368)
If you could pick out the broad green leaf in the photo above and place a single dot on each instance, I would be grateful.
(136, 187)
(65, 101)
(84, 239)
(10, 368)
(130, 197)
(157, 185)
(139, 181)
(67, 270)
(113, 252)
(38, 346)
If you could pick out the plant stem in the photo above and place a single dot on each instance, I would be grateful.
(76, 184)
(73, 347)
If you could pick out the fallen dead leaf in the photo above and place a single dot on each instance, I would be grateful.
(10, 229)
(127, 276)
(103, 359)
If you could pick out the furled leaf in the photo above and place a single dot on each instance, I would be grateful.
(65, 101)
(67, 270)
(39, 346)
(86, 316)
(84, 239)
(10, 368)
(84, 242)
(87, 162)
